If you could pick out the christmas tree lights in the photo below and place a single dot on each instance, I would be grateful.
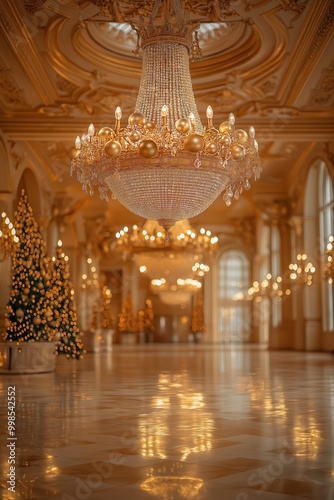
(70, 341)
(29, 315)
(127, 321)
(197, 321)
(102, 316)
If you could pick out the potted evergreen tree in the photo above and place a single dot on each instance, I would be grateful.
(69, 337)
(197, 322)
(29, 345)
(102, 324)
(127, 323)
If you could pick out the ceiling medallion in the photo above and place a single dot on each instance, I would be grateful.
(164, 165)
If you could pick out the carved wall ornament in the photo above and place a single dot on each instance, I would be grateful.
(65, 86)
(276, 211)
(295, 7)
(10, 94)
(103, 100)
(296, 222)
(61, 109)
(323, 94)
(32, 6)
(245, 228)
(206, 10)
(325, 26)
(20, 158)
(65, 210)
(282, 112)
(268, 88)
(14, 39)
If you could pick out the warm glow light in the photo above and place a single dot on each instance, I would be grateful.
(158, 147)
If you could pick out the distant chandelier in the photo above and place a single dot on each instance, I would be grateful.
(188, 285)
(302, 271)
(329, 267)
(267, 288)
(152, 236)
(163, 165)
(175, 293)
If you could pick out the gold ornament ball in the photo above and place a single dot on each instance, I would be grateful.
(26, 291)
(194, 143)
(40, 286)
(149, 126)
(136, 119)
(224, 127)
(211, 148)
(134, 136)
(112, 149)
(148, 148)
(37, 321)
(226, 140)
(182, 125)
(105, 132)
(242, 136)
(237, 152)
(75, 153)
(19, 313)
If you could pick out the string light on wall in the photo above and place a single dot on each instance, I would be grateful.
(89, 279)
(329, 267)
(8, 237)
(163, 164)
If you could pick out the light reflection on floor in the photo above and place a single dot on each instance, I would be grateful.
(175, 422)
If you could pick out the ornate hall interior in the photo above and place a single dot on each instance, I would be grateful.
(207, 369)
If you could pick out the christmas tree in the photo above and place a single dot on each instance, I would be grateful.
(141, 321)
(148, 317)
(102, 316)
(29, 314)
(197, 321)
(126, 319)
(70, 342)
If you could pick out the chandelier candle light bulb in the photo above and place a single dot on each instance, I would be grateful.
(163, 165)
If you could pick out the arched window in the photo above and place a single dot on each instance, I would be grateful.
(234, 315)
(326, 227)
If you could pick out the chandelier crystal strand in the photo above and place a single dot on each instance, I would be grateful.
(166, 81)
(164, 165)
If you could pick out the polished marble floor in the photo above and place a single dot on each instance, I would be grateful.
(174, 422)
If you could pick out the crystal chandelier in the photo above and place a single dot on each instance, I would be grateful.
(163, 164)
(153, 236)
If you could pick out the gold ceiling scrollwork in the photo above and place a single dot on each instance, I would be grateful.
(204, 10)
(33, 6)
(323, 94)
(10, 94)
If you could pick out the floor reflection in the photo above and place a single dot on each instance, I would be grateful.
(175, 422)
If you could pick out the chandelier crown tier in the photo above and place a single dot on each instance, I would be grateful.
(164, 165)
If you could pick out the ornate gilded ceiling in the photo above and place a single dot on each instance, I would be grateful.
(66, 63)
